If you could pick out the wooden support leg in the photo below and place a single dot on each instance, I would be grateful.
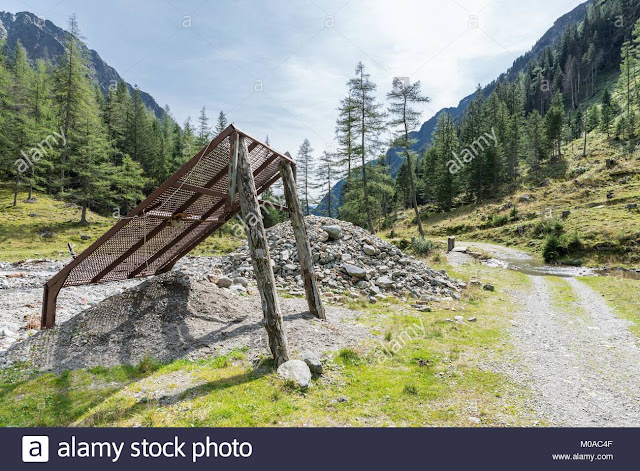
(259, 250)
(49, 301)
(302, 240)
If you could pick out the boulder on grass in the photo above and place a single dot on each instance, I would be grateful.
(313, 362)
(295, 372)
(353, 270)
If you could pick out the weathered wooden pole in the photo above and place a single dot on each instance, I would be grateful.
(302, 241)
(259, 250)
(451, 243)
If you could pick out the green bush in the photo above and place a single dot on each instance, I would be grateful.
(551, 248)
(421, 246)
(548, 227)
(556, 247)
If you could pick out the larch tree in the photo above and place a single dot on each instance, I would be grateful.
(221, 123)
(305, 171)
(403, 99)
(327, 172)
(368, 126)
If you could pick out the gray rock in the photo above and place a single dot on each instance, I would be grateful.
(631, 206)
(313, 362)
(240, 280)
(295, 372)
(290, 267)
(369, 249)
(353, 270)
(488, 287)
(334, 231)
(384, 282)
(224, 282)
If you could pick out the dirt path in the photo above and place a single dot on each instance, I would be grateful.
(585, 368)
(582, 364)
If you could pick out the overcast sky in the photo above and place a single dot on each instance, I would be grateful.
(280, 67)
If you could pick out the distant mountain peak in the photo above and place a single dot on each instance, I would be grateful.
(44, 40)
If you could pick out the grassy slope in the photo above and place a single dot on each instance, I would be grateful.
(609, 231)
(441, 378)
(22, 227)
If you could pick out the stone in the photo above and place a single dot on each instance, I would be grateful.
(224, 282)
(295, 372)
(85, 237)
(631, 206)
(384, 282)
(284, 255)
(475, 420)
(290, 267)
(334, 231)
(238, 289)
(459, 318)
(488, 287)
(355, 271)
(313, 362)
(240, 280)
(369, 249)
(565, 214)
(472, 319)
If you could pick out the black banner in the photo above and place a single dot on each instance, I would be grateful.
(325, 449)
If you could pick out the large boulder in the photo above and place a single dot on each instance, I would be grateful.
(334, 231)
(353, 270)
(295, 372)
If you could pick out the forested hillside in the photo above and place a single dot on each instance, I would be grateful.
(514, 133)
(63, 133)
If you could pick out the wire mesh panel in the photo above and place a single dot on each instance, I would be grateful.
(174, 219)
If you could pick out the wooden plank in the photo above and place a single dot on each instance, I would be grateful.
(302, 241)
(260, 257)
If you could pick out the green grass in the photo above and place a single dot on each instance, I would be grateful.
(437, 376)
(621, 294)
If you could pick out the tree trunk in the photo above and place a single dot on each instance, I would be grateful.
(15, 192)
(414, 198)
(364, 172)
(302, 241)
(259, 250)
(83, 218)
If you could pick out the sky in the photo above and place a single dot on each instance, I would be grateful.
(279, 68)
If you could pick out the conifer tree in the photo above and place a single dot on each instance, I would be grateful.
(369, 123)
(403, 98)
(304, 173)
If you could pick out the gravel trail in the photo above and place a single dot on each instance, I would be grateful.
(583, 366)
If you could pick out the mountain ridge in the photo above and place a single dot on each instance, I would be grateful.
(43, 39)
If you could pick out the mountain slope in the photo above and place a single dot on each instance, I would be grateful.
(43, 39)
(423, 135)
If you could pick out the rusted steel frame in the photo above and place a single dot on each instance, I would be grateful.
(53, 285)
(201, 190)
(186, 218)
(160, 226)
(283, 156)
(174, 241)
(210, 230)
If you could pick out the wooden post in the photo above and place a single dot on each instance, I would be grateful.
(302, 241)
(451, 243)
(259, 250)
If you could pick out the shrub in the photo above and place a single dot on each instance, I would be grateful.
(574, 172)
(421, 246)
(547, 227)
(513, 214)
(551, 248)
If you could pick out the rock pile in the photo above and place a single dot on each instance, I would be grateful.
(347, 259)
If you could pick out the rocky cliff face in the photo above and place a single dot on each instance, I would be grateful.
(44, 40)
